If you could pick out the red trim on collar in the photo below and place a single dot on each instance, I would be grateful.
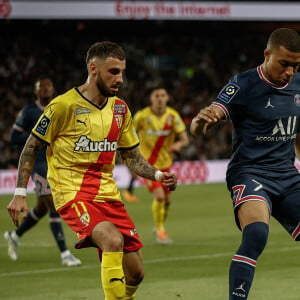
(262, 77)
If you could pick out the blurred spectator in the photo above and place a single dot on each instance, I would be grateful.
(193, 67)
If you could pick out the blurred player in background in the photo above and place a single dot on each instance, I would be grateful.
(28, 116)
(84, 128)
(264, 106)
(128, 192)
(161, 132)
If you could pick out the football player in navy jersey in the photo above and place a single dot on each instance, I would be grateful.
(264, 107)
(28, 116)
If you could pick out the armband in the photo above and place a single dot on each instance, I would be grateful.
(157, 175)
(20, 192)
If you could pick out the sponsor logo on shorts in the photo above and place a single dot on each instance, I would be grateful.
(85, 219)
(133, 231)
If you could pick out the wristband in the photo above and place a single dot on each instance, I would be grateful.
(20, 192)
(157, 175)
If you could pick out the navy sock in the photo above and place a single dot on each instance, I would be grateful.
(130, 187)
(243, 263)
(32, 218)
(57, 230)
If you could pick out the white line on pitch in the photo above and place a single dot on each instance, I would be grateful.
(149, 261)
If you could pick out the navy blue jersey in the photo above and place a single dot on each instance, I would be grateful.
(265, 120)
(29, 116)
(24, 123)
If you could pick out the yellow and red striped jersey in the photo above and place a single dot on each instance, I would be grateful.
(83, 140)
(157, 134)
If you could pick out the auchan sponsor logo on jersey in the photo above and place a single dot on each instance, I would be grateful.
(87, 145)
(158, 132)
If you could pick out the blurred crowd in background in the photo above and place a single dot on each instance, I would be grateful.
(193, 60)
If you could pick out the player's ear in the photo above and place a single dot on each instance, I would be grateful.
(92, 67)
(267, 53)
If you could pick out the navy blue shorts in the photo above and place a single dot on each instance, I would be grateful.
(278, 190)
(39, 176)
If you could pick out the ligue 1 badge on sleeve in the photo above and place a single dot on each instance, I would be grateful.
(228, 92)
(43, 125)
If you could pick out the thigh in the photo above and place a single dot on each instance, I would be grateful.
(107, 237)
(250, 198)
(253, 211)
(287, 212)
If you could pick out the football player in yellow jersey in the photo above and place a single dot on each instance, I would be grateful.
(84, 128)
(161, 132)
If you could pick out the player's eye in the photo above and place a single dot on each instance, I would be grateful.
(115, 71)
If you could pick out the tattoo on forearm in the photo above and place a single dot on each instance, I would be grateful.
(137, 163)
(27, 160)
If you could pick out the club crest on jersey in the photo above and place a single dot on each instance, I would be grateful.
(43, 125)
(169, 119)
(120, 108)
(119, 120)
(85, 219)
(297, 99)
(87, 145)
(228, 92)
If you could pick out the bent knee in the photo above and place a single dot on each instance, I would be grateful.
(135, 278)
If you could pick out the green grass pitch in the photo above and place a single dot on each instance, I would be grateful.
(194, 267)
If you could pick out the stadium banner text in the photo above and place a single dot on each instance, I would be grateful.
(149, 10)
(188, 172)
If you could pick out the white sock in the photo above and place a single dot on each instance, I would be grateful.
(14, 235)
(65, 253)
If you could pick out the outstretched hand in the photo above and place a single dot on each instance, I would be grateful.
(169, 180)
(206, 116)
(17, 206)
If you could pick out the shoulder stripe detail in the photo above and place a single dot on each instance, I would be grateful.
(223, 108)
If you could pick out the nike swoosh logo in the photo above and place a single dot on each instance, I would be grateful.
(259, 185)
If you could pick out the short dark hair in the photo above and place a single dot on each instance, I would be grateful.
(105, 49)
(43, 77)
(288, 38)
(157, 87)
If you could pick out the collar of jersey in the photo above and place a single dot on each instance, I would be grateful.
(263, 78)
(99, 107)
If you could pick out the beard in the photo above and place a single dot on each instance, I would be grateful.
(103, 89)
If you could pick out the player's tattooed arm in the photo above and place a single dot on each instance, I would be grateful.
(136, 162)
(27, 160)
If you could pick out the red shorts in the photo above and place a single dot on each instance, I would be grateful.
(83, 216)
(152, 184)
